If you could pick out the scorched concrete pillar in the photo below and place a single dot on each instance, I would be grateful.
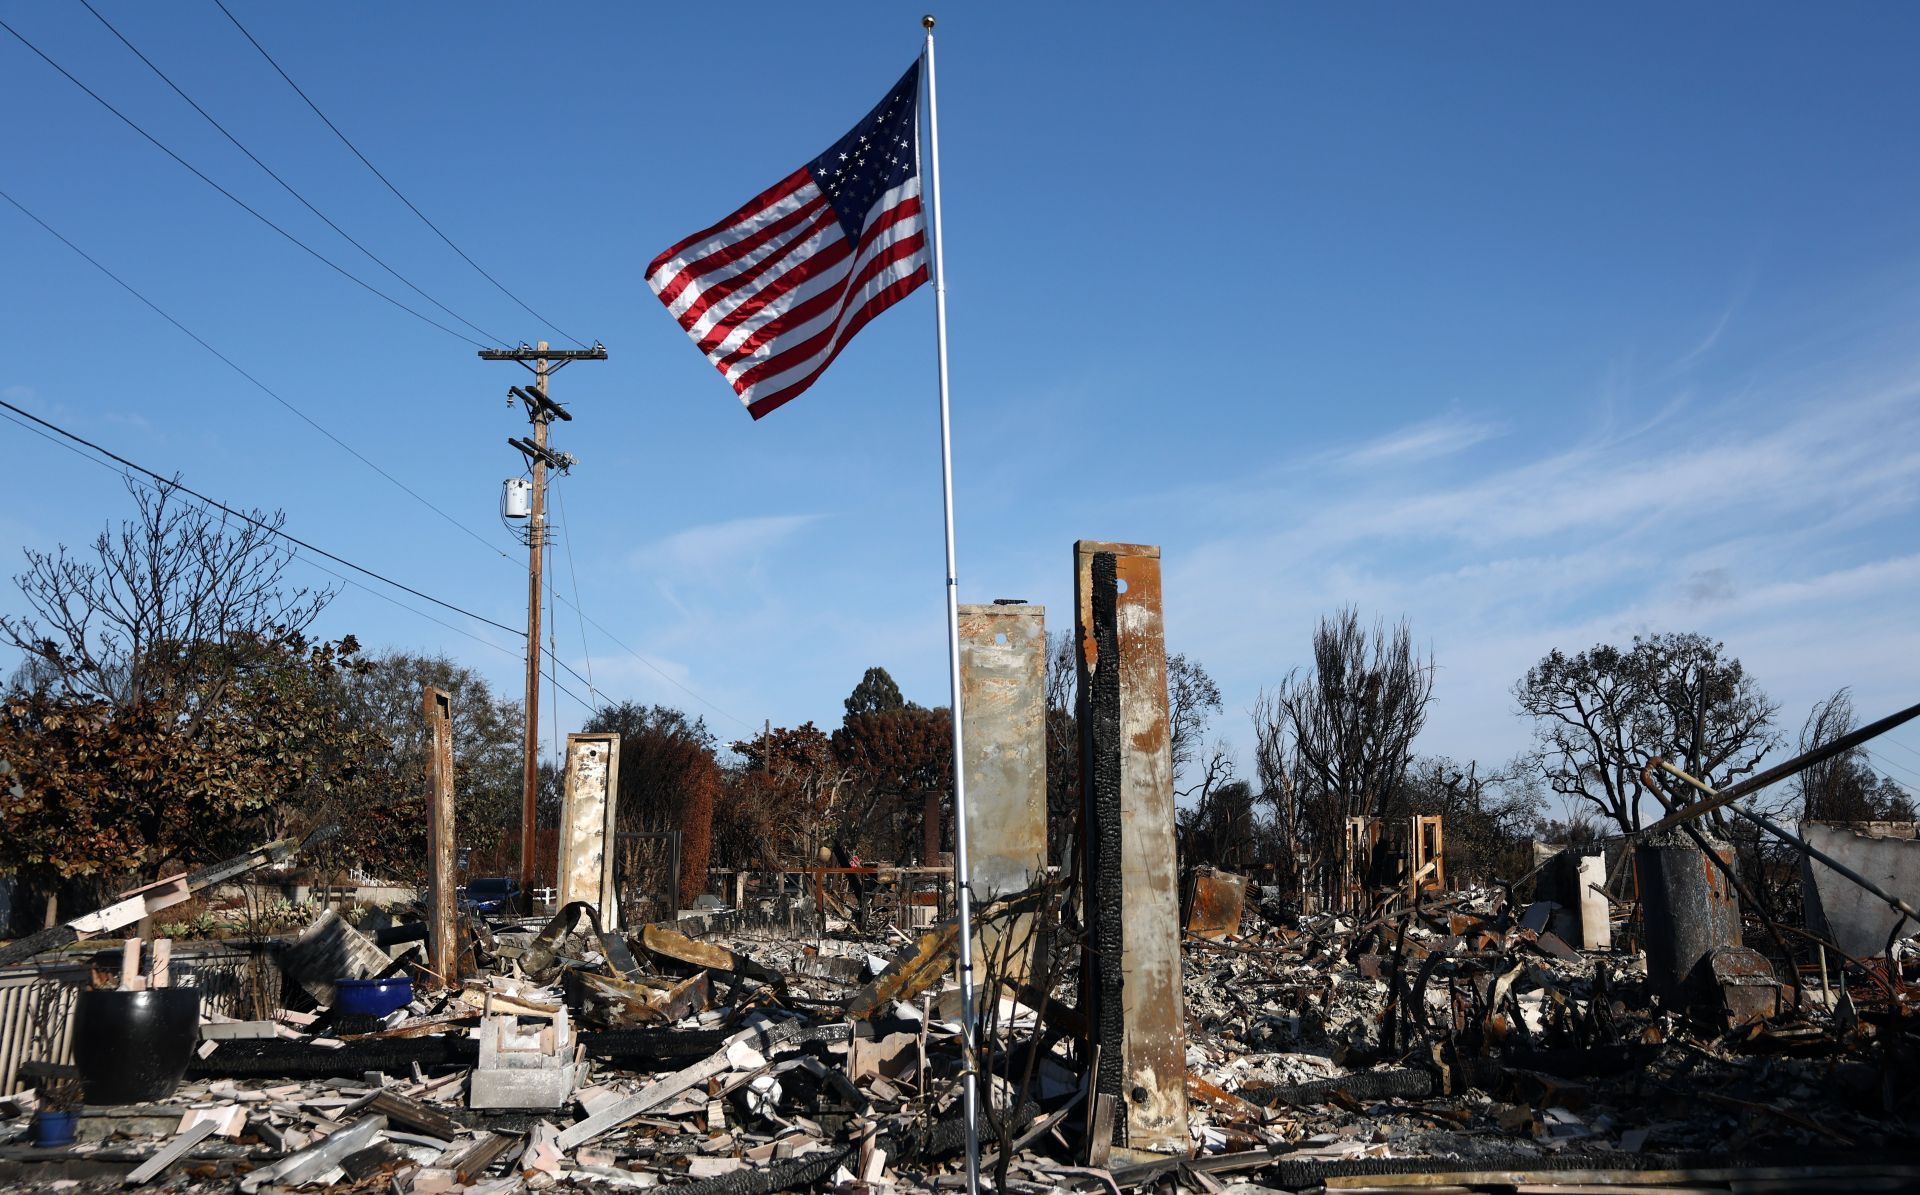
(587, 824)
(1131, 902)
(1003, 678)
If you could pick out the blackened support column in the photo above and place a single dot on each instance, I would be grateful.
(1130, 896)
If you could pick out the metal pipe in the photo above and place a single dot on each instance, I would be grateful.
(1794, 840)
(1779, 772)
(969, 1079)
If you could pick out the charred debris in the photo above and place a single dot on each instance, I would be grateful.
(1631, 1016)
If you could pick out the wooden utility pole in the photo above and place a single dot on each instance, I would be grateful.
(443, 947)
(536, 545)
(541, 412)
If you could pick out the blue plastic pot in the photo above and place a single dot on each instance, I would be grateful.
(52, 1128)
(372, 997)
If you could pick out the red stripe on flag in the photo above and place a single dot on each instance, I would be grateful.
(727, 255)
(759, 203)
(813, 306)
(872, 307)
(821, 259)
(893, 254)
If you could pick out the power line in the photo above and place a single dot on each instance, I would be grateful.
(389, 184)
(389, 598)
(566, 537)
(1890, 741)
(264, 526)
(312, 563)
(263, 387)
(1888, 766)
(285, 185)
(244, 206)
(657, 670)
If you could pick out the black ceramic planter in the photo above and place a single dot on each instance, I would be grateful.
(132, 1047)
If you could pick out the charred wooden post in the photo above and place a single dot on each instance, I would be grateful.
(443, 941)
(1131, 973)
(1003, 673)
(587, 824)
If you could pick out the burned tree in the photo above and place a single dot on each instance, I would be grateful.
(1844, 787)
(1490, 816)
(875, 694)
(898, 759)
(669, 779)
(780, 804)
(1334, 742)
(168, 607)
(1063, 746)
(1192, 700)
(1601, 714)
(384, 816)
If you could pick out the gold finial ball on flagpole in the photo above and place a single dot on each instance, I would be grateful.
(927, 20)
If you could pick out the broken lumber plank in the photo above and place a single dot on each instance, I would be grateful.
(171, 1152)
(1100, 1131)
(660, 1091)
(473, 1161)
(913, 970)
(318, 1158)
(416, 1115)
(158, 895)
(644, 1100)
(680, 948)
(160, 964)
(130, 977)
(1224, 1101)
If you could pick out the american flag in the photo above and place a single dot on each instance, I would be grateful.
(772, 293)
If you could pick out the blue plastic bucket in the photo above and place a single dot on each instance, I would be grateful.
(52, 1128)
(372, 997)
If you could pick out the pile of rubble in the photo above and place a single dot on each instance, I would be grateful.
(1466, 1035)
(569, 1055)
(1461, 1042)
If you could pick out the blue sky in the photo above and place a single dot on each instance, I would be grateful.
(1540, 326)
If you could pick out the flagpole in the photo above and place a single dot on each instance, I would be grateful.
(968, 1077)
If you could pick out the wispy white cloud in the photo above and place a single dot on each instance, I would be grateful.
(1423, 441)
(716, 551)
(1775, 528)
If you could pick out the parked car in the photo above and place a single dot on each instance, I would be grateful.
(499, 895)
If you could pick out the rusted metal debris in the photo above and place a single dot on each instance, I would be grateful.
(1214, 901)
